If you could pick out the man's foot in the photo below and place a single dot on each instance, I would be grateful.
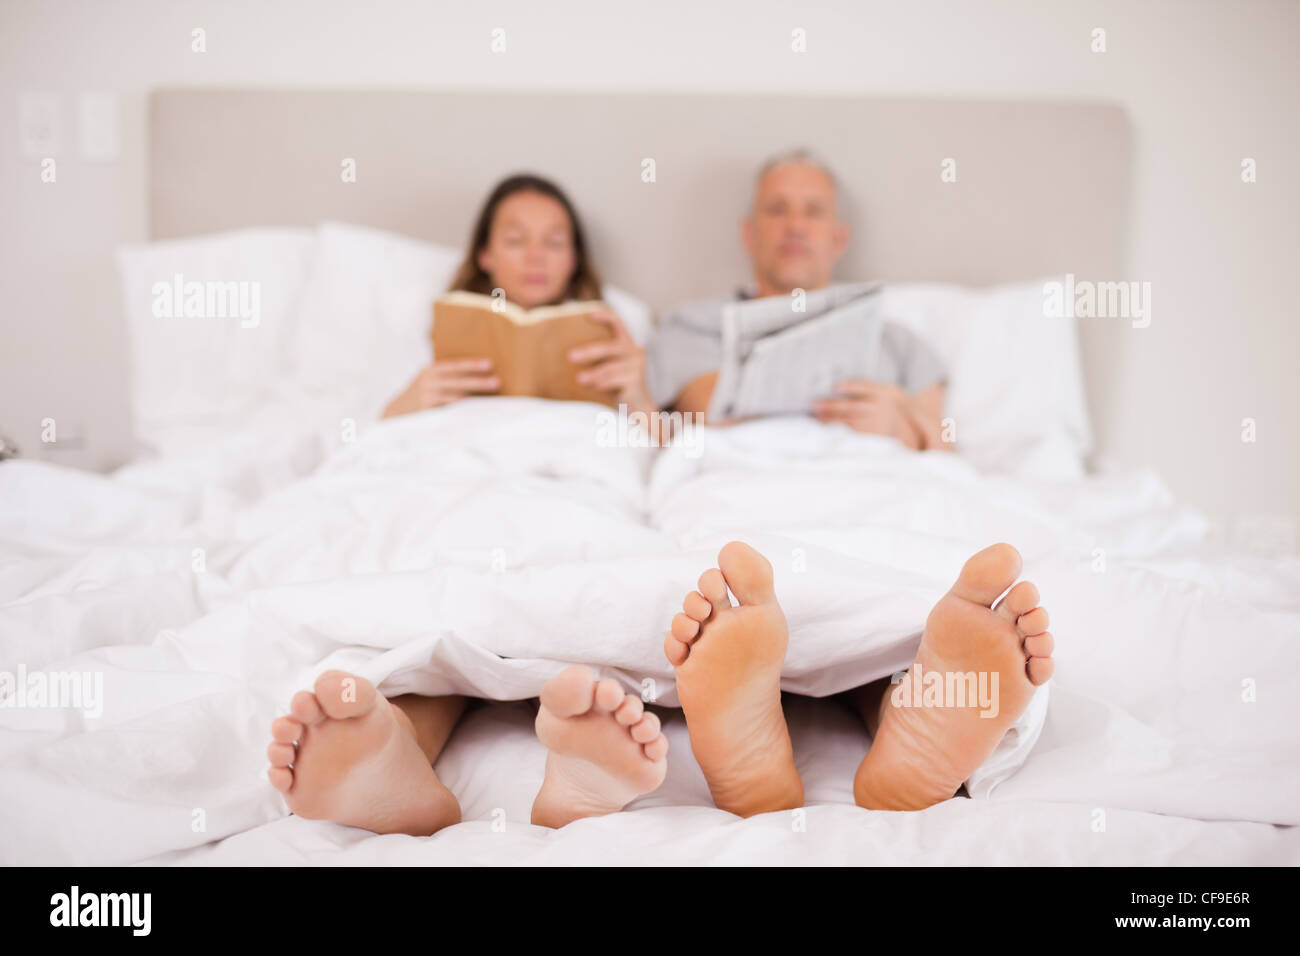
(728, 661)
(605, 750)
(356, 761)
(987, 658)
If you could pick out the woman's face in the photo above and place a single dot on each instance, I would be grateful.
(529, 253)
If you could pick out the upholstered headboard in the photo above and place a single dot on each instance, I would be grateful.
(1040, 187)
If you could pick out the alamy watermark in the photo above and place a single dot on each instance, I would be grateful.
(918, 687)
(1083, 299)
(53, 690)
(130, 910)
(637, 429)
(178, 299)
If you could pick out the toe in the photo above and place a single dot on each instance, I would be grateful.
(1033, 622)
(286, 730)
(280, 755)
(570, 692)
(1019, 600)
(714, 588)
(342, 695)
(1040, 645)
(697, 607)
(1039, 669)
(630, 711)
(305, 708)
(987, 574)
(747, 573)
(686, 628)
(646, 729)
(281, 778)
(656, 749)
(675, 651)
(609, 694)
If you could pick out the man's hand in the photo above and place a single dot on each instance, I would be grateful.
(616, 365)
(444, 382)
(871, 408)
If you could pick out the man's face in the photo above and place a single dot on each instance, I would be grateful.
(794, 235)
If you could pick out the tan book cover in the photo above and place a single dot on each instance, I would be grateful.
(529, 348)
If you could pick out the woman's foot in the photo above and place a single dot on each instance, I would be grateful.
(346, 754)
(728, 661)
(604, 749)
(973, 677)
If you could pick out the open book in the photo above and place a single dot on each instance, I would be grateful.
(776, 361)
(529, 348)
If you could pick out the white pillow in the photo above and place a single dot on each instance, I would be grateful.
(211, 357)
(636, 315)
(366, 314)
(1015, 389)
(363, 319)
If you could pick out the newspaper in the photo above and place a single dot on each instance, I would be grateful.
(777, 360)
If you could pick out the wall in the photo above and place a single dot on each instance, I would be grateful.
(1205, 84)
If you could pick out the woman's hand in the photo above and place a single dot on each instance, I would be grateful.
(616, 365)
(443, 382)
(871, 408)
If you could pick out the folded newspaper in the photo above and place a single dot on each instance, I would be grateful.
(778, 360)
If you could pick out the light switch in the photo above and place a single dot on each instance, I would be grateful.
(39, 124)
(98, 128)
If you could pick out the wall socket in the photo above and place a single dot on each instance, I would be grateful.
(40, 124)
(98, 130)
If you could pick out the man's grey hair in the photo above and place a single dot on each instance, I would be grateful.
(801, 157)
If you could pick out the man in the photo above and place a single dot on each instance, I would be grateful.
(795, 236)
(729, 658)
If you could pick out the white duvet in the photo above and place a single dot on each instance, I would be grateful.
(481, 548)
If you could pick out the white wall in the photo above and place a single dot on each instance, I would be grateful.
(1205, 84)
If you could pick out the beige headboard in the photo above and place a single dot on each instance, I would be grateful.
(1040, 187)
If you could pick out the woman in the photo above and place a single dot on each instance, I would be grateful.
(345, 753)
(529, 243)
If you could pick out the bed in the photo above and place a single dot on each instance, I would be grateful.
(271, 527)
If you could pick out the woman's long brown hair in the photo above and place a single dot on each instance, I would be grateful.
(470, 277)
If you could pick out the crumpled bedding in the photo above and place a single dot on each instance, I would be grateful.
(482, 547)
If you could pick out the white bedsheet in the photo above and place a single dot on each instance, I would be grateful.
(480, 548)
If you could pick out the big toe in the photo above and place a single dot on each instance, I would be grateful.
(987, 574)
(342, 695)
(570, 692)
(748, 573)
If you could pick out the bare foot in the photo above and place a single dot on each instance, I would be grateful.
(973, 677)
(728, 662)
(605, 750)
(356, 761)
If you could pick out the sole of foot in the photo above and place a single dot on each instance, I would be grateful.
(988, 656)
(345, 754)
(603, 748)
(728, 661)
